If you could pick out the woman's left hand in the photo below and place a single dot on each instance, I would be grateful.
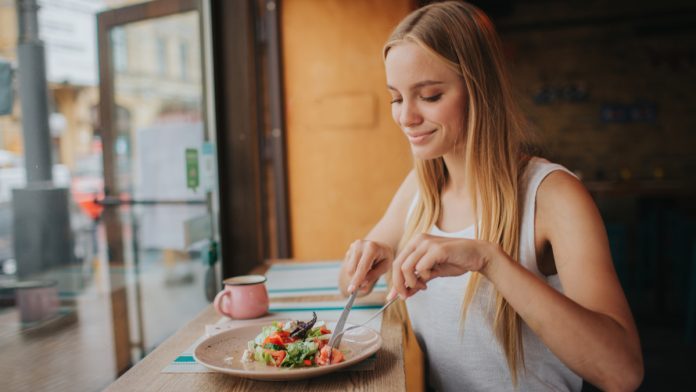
(426, 257)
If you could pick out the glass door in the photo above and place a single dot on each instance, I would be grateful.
(160, 199)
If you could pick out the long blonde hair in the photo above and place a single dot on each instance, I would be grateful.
(464, 38)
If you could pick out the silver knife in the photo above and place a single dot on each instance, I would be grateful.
(336, 336)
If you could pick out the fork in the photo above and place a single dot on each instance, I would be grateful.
(380, 311)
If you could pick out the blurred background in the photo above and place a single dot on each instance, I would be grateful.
(149, 149)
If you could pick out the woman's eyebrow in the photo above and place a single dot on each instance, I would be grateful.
(420, 84)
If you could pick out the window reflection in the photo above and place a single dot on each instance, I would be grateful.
(158, 279)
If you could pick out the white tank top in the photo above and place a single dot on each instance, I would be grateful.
(472, 359)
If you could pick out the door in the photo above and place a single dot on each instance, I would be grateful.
(161, 196)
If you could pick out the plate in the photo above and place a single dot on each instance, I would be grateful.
(222, 353)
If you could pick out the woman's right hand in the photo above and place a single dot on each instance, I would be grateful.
(365, 262)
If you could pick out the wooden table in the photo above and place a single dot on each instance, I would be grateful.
(398, 366)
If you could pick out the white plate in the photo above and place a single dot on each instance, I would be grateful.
(222, 353)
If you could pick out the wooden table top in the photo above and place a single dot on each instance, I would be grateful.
(389, 373)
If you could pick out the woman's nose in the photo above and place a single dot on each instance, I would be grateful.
(409, 115)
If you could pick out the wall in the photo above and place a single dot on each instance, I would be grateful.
(346, 157)
(636, 61)
(609, 88)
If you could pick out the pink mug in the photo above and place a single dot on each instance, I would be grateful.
(243, 297)
(37, 300)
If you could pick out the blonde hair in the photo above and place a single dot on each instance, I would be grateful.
(464, 38)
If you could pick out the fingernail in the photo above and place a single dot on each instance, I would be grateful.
(391, 295)
(351, 288)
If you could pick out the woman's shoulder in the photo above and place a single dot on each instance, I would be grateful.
(550, 175)
(561, 197)
(538, 170)
(536, 164)
(409, 187)
(407, 192)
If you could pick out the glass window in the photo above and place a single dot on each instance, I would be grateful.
(121, 270)
(118, 39)
(161, 50)
(183, 60)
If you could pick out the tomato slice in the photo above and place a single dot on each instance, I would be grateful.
(322, 359)
(320, 343)
(307, 362)
(278, 356)
(337, 356)
(275, 339)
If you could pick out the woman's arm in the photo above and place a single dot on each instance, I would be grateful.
(589, 327)
(367, 259)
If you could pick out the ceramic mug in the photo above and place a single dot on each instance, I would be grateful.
(37, 300)
(243, 297)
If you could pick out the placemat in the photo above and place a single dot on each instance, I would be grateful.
(307, 279)
(329, 310)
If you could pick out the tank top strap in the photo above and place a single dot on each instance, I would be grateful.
(412, 207)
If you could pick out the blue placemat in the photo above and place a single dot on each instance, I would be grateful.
(186, 363)
(307, 279)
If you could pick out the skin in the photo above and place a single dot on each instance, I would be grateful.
(589, 327)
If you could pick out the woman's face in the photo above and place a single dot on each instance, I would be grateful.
(428, 100)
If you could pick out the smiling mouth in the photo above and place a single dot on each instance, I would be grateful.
(419, 138)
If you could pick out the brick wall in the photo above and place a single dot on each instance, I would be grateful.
(608, 86)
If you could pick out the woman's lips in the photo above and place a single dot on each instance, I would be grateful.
(419, 137)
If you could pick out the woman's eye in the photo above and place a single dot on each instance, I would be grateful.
(395, 100)
(432, 98)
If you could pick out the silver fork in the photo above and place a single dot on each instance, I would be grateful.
(380, 311)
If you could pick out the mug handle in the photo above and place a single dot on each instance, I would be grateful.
(217, 303)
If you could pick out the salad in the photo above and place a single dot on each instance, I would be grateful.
(293, 344)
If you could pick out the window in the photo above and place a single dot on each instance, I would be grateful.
(161, 52)
(183, 60)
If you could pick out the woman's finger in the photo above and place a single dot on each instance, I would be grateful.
(397, 277)
(410, 291)
(392, 294)
(348, 263)
(355, 255)
(427, 264)
(408, 267)
(371, 278)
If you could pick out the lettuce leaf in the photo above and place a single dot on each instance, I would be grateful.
(298, 352)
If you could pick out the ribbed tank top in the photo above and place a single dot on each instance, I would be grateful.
(472, 359)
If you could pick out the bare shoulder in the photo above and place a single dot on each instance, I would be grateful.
(411, 180)
(407, 190)
(568, 219)
(563, 200)
(560, 184)
(390, 227)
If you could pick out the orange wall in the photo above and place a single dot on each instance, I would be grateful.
(346, 157)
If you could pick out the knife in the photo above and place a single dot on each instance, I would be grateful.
(336, 336)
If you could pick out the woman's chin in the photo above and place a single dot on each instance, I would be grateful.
(423, 153)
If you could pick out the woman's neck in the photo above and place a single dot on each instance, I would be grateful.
(456, 173)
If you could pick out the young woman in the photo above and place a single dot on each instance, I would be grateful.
(502, 257)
